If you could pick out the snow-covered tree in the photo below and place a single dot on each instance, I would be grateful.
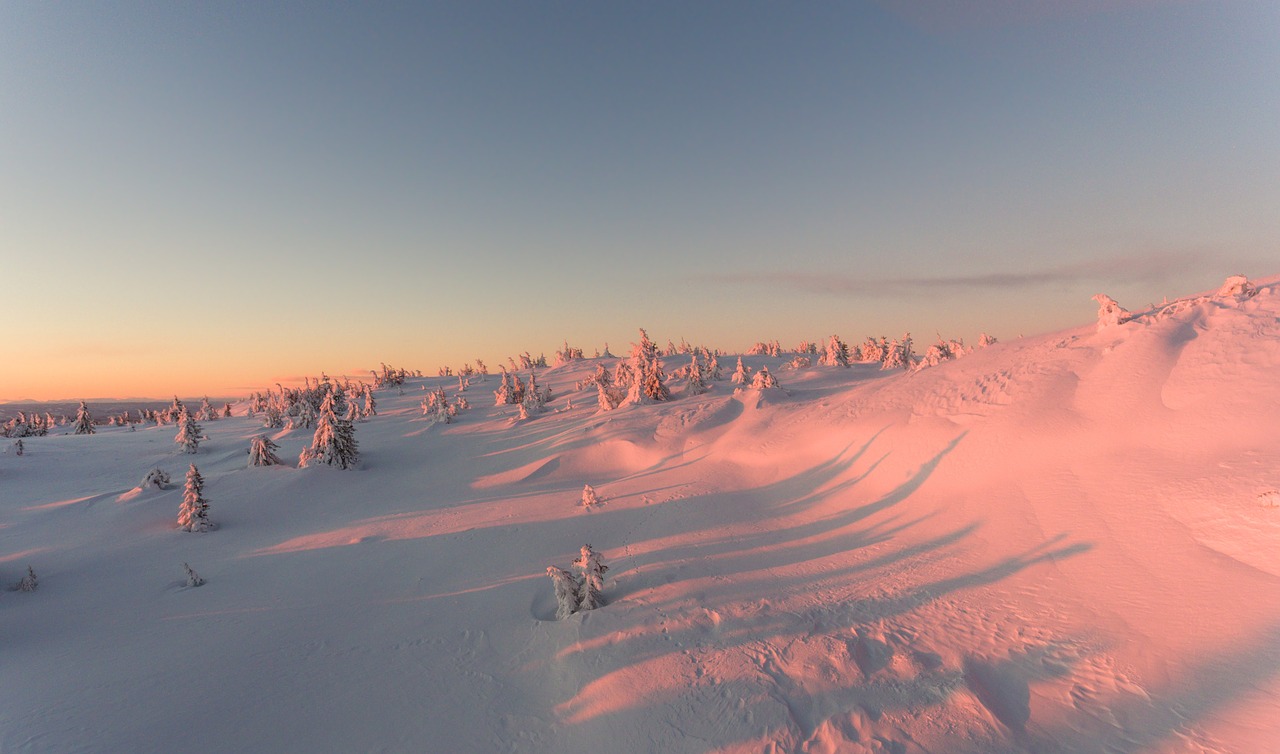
(207, 412)
(193, 578)
(505, 394)
(900, 354)
(370, 405)
(334, 442)
(589, 496)
(696, 384)
(188, 437)
(837, 353)
(262, 452)
(741, 374)
(590, 565)
(1237, 287)
(157, 478)
(84, 420)
(985, 340)
(1110, 312)
(713, 369)
(606, 398)
(763, 379)
(27, 583)
(566, 588)
(226, 410)
(193, 514)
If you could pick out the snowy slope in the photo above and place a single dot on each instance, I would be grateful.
(1058, 544)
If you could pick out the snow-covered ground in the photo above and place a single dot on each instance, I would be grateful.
(1067, 543)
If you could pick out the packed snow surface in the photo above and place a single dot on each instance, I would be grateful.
(1068, 543)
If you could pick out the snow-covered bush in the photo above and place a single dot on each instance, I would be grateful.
(262, 452)
(589, 496)
(193, 578)
(193, 514)
(158, 478)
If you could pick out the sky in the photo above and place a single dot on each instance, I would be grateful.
(204, 198)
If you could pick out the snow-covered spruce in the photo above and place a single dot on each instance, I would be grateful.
(334, 442)
(27, 583)
(589, 496)
(193, 514)
(84, 421)
(188, 437)
(193, 578)
(566, 589)
(262, 452)
(741, 374)
(763, 379)
(836, 354)
(696, 384)
(158, 478)
(591, 569)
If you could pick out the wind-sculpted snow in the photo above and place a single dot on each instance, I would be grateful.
(1064, 543)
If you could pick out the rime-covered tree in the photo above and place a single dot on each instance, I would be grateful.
(1110, 312)
(566, 589)
(193, 514)
(334, 442)
(504, 395)
(900, 354)
(741, 374)
(985, 340)
(226, 411)
(696, 384)
(837, 353)
(84, 421)
(589, 496)
(262, 452)
(29, 582)
(763, 379)
(370, 405)
(713, 369)
(643, 352)
(207, 412)
(188, 437)
(193, 578)
(590, 565)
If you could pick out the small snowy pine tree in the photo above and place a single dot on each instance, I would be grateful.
(27, 583)
(566, 588)
(334, 442)
(763, 379)
(84, 420)
(188, 437)
(262, 452)
(193, 578)
(592, 569)
(193, 514)
(589, 496)
(739, 376)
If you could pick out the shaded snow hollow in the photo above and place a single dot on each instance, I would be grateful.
(1057, 544)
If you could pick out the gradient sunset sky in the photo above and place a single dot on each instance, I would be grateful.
(203, 198)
